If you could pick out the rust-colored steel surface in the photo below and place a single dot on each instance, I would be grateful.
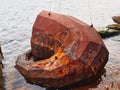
(67, 51)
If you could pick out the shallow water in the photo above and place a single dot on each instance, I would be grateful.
(16, 21)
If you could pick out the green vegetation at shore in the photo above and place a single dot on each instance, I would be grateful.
(108, 33)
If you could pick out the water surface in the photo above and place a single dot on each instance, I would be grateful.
(16, 21)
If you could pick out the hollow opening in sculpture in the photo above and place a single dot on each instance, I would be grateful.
(31, 57)
(44, 46)
(45, 52)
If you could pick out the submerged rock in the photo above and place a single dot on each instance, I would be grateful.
(68, 50)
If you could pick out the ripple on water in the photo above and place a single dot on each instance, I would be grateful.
(16, 21)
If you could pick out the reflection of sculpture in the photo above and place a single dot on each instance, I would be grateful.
(69, 49)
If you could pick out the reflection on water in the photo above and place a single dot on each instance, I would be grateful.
(16, 21)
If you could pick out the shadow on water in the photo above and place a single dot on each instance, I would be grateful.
(85, 84)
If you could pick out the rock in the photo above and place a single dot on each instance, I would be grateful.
(1, 55)
(116, 19)
(114, 26)
(1, 77)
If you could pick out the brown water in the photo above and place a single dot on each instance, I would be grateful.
(17, 18)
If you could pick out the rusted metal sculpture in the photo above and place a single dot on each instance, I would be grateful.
(68, 50)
